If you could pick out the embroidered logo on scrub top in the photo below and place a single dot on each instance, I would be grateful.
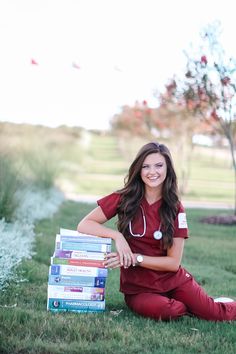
(182, 221)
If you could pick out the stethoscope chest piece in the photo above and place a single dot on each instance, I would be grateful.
(157, 235)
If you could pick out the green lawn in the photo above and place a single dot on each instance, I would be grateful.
(27, 327)
(105, 162)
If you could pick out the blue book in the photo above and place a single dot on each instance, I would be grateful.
(75, 305)
(98, 282)
(83, 246)
(83, 238)
(64, 269)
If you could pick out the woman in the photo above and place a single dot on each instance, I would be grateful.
(152, 228)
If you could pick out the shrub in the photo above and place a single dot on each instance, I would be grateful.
(9, 183)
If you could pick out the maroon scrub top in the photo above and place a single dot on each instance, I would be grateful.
(134, 280)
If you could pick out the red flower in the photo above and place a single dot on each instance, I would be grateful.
(144, 102)
(34, 62)
(214, 115)
(204, 59)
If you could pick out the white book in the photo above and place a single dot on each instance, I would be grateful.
(57, 292)
(75, 289)
(56, 269)
(79, 254)
(76, 296)
(74, 233)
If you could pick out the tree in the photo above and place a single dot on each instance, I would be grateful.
(137, 119)
(209, 88)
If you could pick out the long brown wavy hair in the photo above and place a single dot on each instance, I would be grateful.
(134, 189)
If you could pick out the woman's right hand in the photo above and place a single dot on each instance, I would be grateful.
(127, 257)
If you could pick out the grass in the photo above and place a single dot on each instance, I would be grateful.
(104, 165)
(26, 326)
(92, 163)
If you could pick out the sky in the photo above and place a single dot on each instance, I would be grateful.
(94, 56)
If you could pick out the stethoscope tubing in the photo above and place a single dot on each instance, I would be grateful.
(157, 234)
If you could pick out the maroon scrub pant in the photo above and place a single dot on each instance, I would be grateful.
(188, 299)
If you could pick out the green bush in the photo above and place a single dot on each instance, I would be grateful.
(9, 184)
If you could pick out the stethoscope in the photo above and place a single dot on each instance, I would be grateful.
(156, 234)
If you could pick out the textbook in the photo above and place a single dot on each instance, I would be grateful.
(63, 269)
(75, 233)
(83, 238)
(83, 246)
(75, 292)
(75, 305)
(78, 262)
(79, 254)
(98, 282)
(77, 276)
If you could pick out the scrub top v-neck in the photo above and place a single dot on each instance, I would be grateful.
(134, 280)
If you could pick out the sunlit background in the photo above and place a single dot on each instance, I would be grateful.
(77, 62)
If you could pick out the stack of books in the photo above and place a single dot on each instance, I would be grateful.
(77, 277)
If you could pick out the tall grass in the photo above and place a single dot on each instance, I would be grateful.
(42, 167)
(9, 184)
(27, 327)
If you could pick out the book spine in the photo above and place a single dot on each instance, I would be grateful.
(77, 234)
(91, 239)
(78, 262)
(75, 296)
(75, 289)
(80, 246)
(75, 305)
(79, 254)
(74, 310)
(76, 280)
(56, 269)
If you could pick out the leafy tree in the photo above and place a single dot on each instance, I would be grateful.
(209, 88)
(137, 120)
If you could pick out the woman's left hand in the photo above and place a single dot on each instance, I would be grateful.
(112, 260)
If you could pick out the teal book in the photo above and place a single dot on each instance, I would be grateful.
(75, 305)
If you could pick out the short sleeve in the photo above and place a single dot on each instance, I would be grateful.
(181, 226)
(109, 204)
